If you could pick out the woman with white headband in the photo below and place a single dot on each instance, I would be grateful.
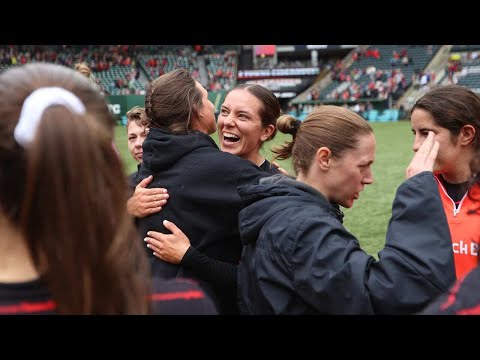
(67, 244)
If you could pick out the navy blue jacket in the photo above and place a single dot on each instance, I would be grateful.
(462, 299)
(168, 297)
(269, 168)
(298, 258)
(202, 183)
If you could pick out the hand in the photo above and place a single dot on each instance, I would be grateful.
(145, 201)
(282, 170)
(168, 247)
(425, 157)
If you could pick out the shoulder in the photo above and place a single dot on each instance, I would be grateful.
(25, 298)
(180, 297)
(269, 168)
(304, 218)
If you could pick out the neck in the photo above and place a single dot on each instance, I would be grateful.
(198, 125)
(16, 263)
(255, 158)
(462, 173)
(315, 184)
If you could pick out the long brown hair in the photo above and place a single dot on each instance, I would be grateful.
(452, 107)
(172, 101)
(71, 205)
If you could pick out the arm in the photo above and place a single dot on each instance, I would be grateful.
(415, 266)
(463, 298)
(418, 248)
(334, 275)
(175, 248)
(146, 201)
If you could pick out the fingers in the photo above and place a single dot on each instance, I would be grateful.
(172, 227)
(155, 242)
(145, 182)
(150, 192)
(151, 210)
(153, 247)
(154, 199)
(427, 145)
(168, 247)
(424, 158)
(154, 239)
(160, 193)
(432, 156)
(282, 170)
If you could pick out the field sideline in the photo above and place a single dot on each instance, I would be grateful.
(368, 219)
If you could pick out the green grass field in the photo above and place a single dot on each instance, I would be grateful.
(368, 219)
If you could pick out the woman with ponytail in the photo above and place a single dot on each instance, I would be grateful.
(297, 256)
(67, 244)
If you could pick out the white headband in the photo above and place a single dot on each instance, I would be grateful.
(34, 106)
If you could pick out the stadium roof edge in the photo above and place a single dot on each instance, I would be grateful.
(285, 48)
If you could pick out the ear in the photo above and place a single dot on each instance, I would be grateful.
(467, 135)
(323, 158)
(267, 132)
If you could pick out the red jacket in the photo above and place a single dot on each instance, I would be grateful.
(464, 224)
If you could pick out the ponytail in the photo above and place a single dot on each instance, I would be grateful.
(286, 124)
(72, 179)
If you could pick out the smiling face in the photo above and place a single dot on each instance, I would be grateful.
(136, 136)
(240, 128)
(348, 175)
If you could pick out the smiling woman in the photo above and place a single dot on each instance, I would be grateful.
(247, 119)
(201, 181)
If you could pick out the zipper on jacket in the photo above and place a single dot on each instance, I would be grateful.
(456, 209)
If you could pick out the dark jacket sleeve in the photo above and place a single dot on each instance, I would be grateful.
(415, 266)
(418, 249)
(463, 298)
(217, 272)
(212, 270)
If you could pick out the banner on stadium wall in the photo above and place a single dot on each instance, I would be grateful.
(323, 47)
(266, 73)
(120, 104)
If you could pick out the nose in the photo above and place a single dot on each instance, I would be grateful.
(138, 143)
(368, 179)
(417, 142)
(228, 120)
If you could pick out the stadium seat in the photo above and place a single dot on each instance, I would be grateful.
(372, 115)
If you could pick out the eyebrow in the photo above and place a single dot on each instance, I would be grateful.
(367, 163)
(241, 111)
(246, 112)
(424, 129)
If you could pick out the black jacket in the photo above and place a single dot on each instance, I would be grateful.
(269, 168)
(168, 297)
(132, 184)
(462, 299)
(202, 183)
(306, 262)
